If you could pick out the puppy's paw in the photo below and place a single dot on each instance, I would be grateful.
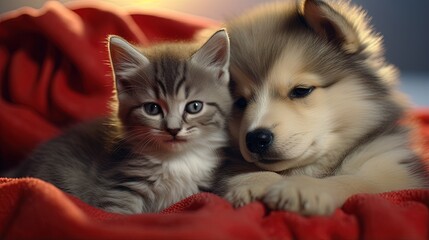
(305, 195)
(245, 188)
(242, 195)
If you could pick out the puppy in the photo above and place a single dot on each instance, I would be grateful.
(316, 110)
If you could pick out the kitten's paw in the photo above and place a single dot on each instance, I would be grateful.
(303, 195)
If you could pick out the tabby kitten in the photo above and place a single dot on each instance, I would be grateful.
(161, 143)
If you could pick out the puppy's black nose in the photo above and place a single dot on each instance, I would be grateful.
(259, 140)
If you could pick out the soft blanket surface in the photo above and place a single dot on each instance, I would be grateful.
(53, 73)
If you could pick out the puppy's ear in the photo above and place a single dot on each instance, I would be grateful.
(330, 24)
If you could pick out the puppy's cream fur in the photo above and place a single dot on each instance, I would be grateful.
(341, 139)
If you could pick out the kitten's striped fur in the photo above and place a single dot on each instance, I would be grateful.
(133, 161)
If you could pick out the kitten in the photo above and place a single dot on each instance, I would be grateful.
(161, 142)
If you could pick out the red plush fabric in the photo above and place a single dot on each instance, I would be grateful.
(33, 209)
(53, 74)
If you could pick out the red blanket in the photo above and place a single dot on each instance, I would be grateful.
(53, 74)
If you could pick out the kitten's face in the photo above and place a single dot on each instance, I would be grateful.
(172, 101)
(185, 106)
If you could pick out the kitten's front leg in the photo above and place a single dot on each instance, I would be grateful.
(123, 202)
(248, 187)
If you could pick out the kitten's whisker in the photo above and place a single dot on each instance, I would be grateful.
(131, 135)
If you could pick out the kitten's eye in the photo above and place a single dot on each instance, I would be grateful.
(241, 103)
(300, 92)
(194, 107)
(152, 109)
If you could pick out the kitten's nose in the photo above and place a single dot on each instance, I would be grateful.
(259, 140)
(173, 131)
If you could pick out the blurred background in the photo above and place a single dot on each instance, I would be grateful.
(404, 24)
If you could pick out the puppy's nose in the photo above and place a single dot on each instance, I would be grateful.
(259, 140)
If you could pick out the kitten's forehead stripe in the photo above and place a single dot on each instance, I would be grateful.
(187, 91)
(159, 85)
(156, 90)
(162, 87)
(171, 72)
(182, 80)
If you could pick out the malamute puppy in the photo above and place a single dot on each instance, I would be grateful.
(316, 112)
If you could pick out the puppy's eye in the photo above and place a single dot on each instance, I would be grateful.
(241, 103)
(194, 107)
(300, 92)
(152, 109)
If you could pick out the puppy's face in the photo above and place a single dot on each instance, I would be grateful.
(309, 83)
(305, 108)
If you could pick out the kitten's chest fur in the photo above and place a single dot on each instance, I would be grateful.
(171, 178)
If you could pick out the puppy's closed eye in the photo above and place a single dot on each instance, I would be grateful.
(300, 92)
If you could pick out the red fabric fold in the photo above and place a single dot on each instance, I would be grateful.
(31, 208)
(53, 73)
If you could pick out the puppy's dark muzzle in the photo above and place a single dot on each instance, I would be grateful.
(259, 140)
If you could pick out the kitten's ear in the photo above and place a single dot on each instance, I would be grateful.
(215, 54)
(330, 24)
(124, 59)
